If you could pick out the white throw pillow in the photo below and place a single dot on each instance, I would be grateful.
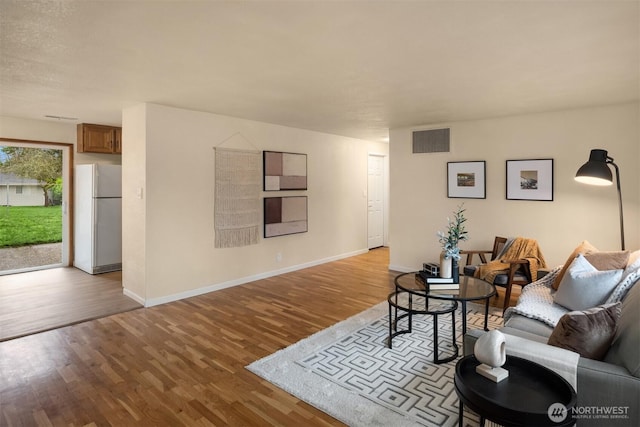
(583, 286)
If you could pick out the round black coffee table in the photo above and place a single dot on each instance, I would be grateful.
(470, 289)
(532, 395)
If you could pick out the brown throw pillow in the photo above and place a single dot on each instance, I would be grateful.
(588, 332)
(616, 260)
(583, 248)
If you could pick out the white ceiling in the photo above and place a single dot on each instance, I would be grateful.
(349, 68)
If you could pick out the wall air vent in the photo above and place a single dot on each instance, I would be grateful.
(431, 141)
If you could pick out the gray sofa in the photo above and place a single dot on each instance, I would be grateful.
(601, 385)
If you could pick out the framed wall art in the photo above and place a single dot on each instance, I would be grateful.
(530, 179)
(284, 171)
(467, 180)
(285, 215)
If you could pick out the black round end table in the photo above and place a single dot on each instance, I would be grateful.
(532, 395)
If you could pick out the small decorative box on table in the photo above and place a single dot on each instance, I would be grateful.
(431, 268)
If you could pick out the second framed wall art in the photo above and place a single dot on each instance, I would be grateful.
(285, 215)
(530, 179)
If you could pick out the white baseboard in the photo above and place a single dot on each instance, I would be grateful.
(137, 298)
(402, 269)
(219, 286)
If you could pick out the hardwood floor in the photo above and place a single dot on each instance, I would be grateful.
(183, 363)
(46, 299)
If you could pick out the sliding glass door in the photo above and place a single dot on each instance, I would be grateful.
(34, 205)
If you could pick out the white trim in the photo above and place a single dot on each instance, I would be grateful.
(28, 269)
(137, 298)
(219, 286)
(402, 269)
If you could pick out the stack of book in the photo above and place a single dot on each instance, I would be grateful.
(436, 283)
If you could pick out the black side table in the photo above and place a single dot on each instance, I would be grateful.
(403, 301)
(523, 399)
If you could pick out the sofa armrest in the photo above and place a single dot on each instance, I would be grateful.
(563, 362)
(607, 386)
(472, 336)
(469, 340)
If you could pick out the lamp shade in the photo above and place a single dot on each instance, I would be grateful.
(596, 171)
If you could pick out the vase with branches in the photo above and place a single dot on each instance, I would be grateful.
(449, 239)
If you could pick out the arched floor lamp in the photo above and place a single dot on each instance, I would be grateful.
(596, 172)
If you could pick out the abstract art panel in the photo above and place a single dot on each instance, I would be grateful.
(284, 171)
(285, 215)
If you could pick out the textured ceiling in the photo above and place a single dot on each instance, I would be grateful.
(348, 68)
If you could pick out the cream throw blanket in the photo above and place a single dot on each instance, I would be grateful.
(521, 248)
(563, 362)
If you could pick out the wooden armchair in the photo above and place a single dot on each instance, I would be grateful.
(498, 246)
(517, 271)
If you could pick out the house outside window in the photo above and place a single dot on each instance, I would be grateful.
(18, 189)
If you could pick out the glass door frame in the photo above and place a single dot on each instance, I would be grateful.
(67, 195)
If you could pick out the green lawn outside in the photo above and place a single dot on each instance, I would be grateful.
(30, 225)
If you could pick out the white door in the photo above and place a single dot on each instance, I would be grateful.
(375, 202)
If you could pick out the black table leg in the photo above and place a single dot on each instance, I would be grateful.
(436, 359)
(453, 330)
(395, 308)
(454, 346)
(460, 413)
(410, 313)
(389, 343)
(486, 314)
(464, 317)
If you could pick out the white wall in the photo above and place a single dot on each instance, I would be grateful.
(134, 202)
(419, 203)
(169, 153)
(37, 130)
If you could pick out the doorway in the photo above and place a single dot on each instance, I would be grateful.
(376, 201)
(34, 205)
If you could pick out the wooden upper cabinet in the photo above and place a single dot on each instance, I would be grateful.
(99, 139)
(117, 148)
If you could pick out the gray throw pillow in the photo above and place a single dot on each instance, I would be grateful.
(589, 332)
(583, 286)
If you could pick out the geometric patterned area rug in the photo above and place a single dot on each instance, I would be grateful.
(349, 372)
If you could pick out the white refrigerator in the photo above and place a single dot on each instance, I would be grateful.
(98, 218)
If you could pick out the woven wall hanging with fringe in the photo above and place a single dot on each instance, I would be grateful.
(237, 197)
